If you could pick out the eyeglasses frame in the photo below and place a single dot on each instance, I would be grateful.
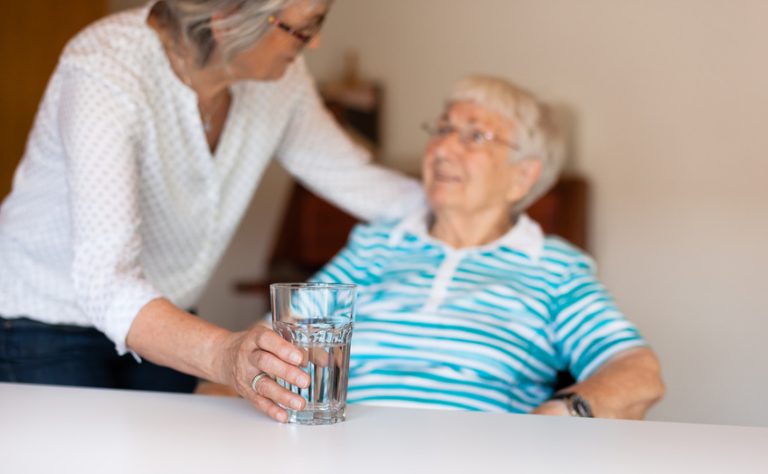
(488, 137)
(295, 32)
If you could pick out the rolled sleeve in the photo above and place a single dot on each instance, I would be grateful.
(98, 130)
(589, 328)
(126, 304)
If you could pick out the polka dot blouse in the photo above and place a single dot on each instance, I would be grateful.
(118, 199)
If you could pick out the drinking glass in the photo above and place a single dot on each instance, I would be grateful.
(317, 318)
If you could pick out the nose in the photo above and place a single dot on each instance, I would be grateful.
(314, 43)
(446, 150)
(450, 144)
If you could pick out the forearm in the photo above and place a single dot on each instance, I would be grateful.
(168, 336)
(321, 155)
(367, 191)
(624, 387)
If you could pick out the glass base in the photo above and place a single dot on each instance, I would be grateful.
(316, 417)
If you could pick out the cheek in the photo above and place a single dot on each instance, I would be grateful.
(489, 182)
(259, 61)
(477, 171)
(427, 163)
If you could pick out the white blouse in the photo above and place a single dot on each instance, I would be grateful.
(118, 199)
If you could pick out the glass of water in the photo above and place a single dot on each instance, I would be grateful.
(317, 318)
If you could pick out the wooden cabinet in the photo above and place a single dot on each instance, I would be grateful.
(563, 211)
(32, 35)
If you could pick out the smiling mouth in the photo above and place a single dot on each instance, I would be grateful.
(446, 178)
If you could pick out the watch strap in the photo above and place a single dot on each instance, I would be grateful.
(576, 404)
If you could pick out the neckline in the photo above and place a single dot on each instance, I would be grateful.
(189, 95)
(525, 236)
(161, 56)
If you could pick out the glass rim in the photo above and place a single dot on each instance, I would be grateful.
(313, 286)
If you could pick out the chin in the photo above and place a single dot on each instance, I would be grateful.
(439, 200)
(272, 75)
(445, 190)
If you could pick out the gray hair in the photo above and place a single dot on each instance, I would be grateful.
(244, 23)
(538, 136)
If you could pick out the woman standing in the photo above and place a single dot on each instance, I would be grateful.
(149, 142)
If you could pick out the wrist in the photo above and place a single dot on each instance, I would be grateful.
(575, 404)
(223, 350)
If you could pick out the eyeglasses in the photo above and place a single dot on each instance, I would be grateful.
(304, 35)
(471, 137)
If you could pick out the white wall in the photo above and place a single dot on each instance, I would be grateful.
(670, 98)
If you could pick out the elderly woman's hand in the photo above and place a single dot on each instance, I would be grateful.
(260, 350)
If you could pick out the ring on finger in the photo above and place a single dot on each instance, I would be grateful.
(258, 377)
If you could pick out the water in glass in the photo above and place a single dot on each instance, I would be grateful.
(326, 344)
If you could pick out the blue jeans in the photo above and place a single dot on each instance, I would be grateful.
(35, 352)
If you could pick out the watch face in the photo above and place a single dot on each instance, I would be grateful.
(581, 406)
(577, 406)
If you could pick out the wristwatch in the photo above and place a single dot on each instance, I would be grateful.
(576, 404)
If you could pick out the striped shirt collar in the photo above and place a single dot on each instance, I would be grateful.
(525, 236)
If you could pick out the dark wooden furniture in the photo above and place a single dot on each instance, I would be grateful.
(32, 35)
(313, 230)
(563, 211)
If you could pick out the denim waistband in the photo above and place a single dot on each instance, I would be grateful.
(24, 322)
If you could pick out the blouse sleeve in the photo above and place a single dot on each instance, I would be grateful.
(318, 152)
(98, 126)
(588, 327)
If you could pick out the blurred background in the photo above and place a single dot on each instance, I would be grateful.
(666, 101)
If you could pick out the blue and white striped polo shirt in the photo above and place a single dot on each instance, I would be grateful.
(484, 328)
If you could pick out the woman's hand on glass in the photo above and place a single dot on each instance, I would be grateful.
(257, 351)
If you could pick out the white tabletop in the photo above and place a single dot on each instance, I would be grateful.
(55, 429)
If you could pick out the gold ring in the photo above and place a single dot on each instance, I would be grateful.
(256, 379)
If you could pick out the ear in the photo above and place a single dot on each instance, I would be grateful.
(314, 43)
(525, 174)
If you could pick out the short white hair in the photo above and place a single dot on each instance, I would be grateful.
(246, 22)
(537, 134)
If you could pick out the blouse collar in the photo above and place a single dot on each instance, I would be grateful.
(525, 236)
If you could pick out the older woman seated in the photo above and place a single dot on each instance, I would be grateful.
(467, 305)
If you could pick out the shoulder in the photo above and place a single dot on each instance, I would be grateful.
(118, 32)
(281, 97)
(372, 234)
(278, 100)
(116, 50)
(563, 259)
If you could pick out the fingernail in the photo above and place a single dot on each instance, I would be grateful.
(296, 358)
(305, 381)
(282, 417)
(296, 404)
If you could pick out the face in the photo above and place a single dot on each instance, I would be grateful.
(461, 175)
(269, 58)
